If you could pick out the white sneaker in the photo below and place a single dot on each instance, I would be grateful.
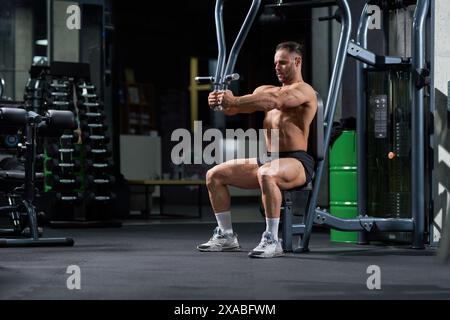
(220, 242)
(267, 248)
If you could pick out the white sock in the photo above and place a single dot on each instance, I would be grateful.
(272, 226)
(224, 222)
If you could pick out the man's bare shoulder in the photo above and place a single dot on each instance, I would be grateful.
(304, 87)
(265, 88)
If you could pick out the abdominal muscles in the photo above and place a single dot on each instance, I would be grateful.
(292, 134)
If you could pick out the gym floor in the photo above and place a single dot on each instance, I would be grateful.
(157, 259)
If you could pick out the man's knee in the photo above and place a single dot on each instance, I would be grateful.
(214, 176)
(267, 176)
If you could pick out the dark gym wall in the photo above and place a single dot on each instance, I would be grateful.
(156, 41)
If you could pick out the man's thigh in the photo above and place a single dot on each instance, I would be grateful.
(288, 172)
(241, 173)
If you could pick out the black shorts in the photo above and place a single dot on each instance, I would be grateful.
(306, 160)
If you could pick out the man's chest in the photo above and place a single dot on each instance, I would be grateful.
(276, 118)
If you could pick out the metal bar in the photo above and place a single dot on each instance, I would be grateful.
(394, 225)
(193, 92)
(2, 87)
(433, 136)
(45, 242)
(305, 4)
(361, 224)
(50, 45)
(251, 15)
(221, 44)
(298, 229)
(7, 232)
(330, 109)
(418, 127)
(31, 212)
(8, 209)
(30, 150)
(31, 134)
(361, 124)
(360, 53)
(287, 225)
(326, 219)
(448, 94)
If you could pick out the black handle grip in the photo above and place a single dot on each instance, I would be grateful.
(232, 77)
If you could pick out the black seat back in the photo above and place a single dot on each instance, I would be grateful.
(316, 133)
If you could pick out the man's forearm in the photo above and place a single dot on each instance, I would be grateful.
(266, 101)
(255, 102)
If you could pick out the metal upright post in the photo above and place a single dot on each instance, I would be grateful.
(418, 127)
(50, 45)
(335, 85)
(30, 149)
(221, 44)
(224, 70)
(361, 122)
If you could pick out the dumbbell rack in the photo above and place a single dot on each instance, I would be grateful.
(97, 165)
(62, 156)
(77, 166)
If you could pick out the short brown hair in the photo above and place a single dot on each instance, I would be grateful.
(292, 47)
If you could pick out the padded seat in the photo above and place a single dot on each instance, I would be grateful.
(307, 187)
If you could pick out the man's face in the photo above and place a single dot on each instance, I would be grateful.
(286, 65)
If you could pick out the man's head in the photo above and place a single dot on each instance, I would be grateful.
(288, 62)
